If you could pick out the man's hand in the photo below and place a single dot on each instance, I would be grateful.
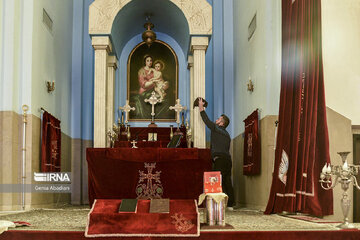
(201, 104)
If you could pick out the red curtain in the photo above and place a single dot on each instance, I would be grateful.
(252, 146)
(302, 143)
(51, 144)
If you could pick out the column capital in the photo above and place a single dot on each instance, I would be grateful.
(190, 61)
(101, 42)
(112, 61)
(199, 43)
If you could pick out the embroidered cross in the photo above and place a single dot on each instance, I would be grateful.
(150, 189)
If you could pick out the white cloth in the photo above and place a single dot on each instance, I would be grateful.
(4, 225)
(218, 197)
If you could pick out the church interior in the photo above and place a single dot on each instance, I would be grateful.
(77, 98)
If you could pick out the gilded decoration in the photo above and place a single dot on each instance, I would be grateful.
(197, 12)
(149, 185)
(181, 223)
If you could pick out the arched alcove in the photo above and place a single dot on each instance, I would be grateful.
(112, 23)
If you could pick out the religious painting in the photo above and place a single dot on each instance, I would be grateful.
(152, 69)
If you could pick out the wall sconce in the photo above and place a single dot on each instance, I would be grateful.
(50, 86)
(250, 86)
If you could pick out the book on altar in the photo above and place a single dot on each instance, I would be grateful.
(175, 141)
(128, 205)
(212, 182)
(159, 205)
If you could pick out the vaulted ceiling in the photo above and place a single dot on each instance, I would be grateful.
(165, 15)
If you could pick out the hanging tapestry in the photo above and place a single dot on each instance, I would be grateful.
(50, 144)
(252, 147)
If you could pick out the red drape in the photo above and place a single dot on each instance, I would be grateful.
(252, 147)
(302, 143)
(51, 144)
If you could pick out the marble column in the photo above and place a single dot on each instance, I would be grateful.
(102, 47)
(192, 97)
(198, 48)
(112, 66)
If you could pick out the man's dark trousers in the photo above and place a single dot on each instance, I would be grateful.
(223, 164)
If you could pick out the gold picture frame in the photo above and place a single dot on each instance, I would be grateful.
(142, 80)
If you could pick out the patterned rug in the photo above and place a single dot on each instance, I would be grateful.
(310, 219)
(74, 218)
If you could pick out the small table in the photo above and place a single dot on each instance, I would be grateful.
(215, 208)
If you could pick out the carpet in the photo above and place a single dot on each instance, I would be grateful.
(204, 226)
(310, 219)
(104, 220)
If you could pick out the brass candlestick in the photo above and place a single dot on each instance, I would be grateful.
(128, 135)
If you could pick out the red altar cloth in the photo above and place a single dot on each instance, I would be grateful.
(114, 172)
(104, 220)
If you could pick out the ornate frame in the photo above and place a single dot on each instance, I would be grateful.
(132, 82)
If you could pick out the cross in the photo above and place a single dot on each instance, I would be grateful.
(133, 142)
(177, 108)
(126, 108)
(152, 100)
(149, 190)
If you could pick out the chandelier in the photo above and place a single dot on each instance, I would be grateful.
(148, 35)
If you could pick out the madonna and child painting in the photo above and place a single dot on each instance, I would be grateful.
(153, 68)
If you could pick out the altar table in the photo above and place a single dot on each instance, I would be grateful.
(114, 173)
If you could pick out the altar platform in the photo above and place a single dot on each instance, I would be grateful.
(69, 222)
(175, 173)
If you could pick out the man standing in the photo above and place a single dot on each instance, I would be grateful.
(220, 145)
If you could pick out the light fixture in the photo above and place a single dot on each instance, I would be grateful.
(250, 85)
(50, 86)
(148, 35)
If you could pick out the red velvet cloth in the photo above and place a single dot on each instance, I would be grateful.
(252, 145)
(105, 221)
(302, 147)
(114, 173)
(51, 144)
(353, 234)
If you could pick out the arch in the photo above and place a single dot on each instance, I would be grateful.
(198, 14)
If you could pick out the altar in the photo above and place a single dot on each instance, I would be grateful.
(149, 137)
(175, 173)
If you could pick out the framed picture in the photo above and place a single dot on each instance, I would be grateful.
(152, 69)
(152, 137)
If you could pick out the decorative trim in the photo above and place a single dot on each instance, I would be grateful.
(198, 14)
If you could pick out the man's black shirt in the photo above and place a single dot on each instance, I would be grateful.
(220, 138)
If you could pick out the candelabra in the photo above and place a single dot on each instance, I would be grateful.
(113, 134)
(344, 174)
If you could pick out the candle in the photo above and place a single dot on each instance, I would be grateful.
(328, 169)
(345, 167)
(324, 169)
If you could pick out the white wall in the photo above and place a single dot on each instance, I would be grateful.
(259, 58)
(10, 54)
(341, 56)
(51, 59)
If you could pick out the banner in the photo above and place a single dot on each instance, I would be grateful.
(252, 146)
(50, 144)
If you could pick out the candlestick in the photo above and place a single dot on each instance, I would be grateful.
(343, 174)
